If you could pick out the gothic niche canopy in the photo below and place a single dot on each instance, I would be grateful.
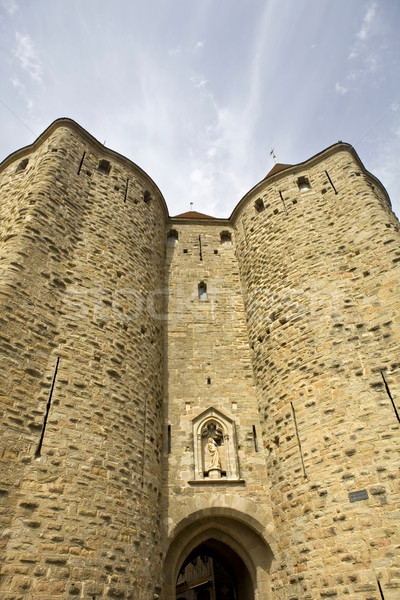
(215, 447)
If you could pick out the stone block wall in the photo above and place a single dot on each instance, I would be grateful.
(208, 365)
(320, 270)
(208, 360)
(82, 254)
(113, 361)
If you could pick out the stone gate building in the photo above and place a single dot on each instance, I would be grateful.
(193, 407)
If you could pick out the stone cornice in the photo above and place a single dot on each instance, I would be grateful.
(293, 169)
(229, 222)
(91, 141)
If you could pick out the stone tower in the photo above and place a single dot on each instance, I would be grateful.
(194, 407)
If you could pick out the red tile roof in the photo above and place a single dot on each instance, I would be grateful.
(192, 214)
(276, 168)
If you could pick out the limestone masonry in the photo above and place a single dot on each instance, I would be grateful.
(197, 408)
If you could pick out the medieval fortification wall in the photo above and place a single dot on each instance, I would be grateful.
(129, 338)
(82, 514)
(320, 272)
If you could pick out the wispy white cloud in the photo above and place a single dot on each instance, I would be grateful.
(384, 164)
(222, 155)
(21, 89)
(212, 151)
(362, 70)
(371, 62)
(17, 85)
(174, 51)
(202, 178)
(367, 22)
(10, 6)
(340, 89)
(363, 62)
(198, 82)
(28, 57)
(365, 31)
(203, 104)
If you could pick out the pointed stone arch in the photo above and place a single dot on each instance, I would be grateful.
(241, 533)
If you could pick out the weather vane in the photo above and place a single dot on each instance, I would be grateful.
(272, 153)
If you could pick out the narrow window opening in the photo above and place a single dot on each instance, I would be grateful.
(283, 201)
(380, 589)
(144, 439)
(169, 440)
(255, 438)
(331, 182)
(172, 237)
(126, 190)
(147, 197)
(22, 165)
(244, 233)
(215, 251)
(298, 440)
(81, 163)
(303, 184)
(48, 405)
(259, 205)
(202, 291)
(208, 380)
(396, 412)
(185, 251)
(226, 238)
(104, 167)
(200, 249)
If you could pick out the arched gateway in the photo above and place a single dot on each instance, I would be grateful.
(217, 554)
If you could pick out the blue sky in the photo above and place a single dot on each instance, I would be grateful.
(197, 92)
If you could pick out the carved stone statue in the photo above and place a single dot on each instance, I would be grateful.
(215, 461)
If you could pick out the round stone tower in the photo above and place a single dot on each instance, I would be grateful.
(318, 251)
(81, 258)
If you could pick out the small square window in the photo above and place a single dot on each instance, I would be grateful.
(226, 238)
(22, 165)
(172, 237)
(104, 167)
(259, 205)
(303, 184)
(202, 290)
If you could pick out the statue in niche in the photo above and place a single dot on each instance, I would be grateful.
(213, 450)
(215, 461)
(215, 446)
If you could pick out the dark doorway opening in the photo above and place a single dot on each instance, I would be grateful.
(213, 571)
